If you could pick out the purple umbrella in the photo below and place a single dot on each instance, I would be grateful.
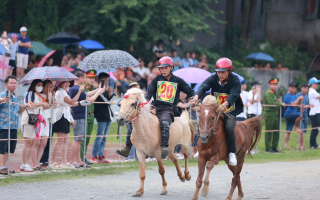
(192, 74)
(48, 73)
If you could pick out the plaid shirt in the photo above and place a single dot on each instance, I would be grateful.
(14, 112)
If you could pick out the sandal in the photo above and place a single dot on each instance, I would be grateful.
(87, 166)
(12, 171)
(76, 165)
(39, 168)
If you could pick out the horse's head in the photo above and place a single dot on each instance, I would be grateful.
(129, 106)
(208, 117)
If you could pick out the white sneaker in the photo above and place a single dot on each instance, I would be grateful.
(148, 159)
(180, 157)
(196, 155)
(232, 159)
(26, 168)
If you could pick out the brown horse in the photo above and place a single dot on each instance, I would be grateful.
(213, 146)
(146, 135)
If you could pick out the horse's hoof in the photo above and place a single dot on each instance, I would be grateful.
(164, 192)
(240, 196)
(194, 198)
(182, 178)
(204, 192)
(188, 177)
(137, 194)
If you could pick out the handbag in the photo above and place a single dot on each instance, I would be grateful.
(33, 118)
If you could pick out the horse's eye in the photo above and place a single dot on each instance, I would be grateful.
(132, 104)
(212, 118)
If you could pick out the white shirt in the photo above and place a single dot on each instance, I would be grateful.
(5, 43)
(35, 110)
(244, 97)
(62, 107)
(256, 107)
(313, 94)
(46, 114)
(140, 71)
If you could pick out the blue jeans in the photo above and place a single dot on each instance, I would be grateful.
(304, 123)
(99, 142)
(132, 153)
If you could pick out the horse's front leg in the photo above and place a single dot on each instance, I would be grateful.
(174, 159)
(209, 167)
(142, 161)
(186, 170)
(201, 166)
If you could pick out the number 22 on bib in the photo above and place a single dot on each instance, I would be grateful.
(166, 91)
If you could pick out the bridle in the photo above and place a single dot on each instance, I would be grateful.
(212, 130)
(138, 104)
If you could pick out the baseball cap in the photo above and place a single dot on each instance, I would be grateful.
(14, 36)
(255, 83)
(313, 80)
(293, 84)
(23, 29)
(244, 82)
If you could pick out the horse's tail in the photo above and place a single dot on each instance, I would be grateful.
(254, 126)
(185, 116)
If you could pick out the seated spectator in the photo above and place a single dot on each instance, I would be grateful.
(176, 60)
(75, 64)
(67, 61)
(103, 115)
(143, 74)
(122, 83)
(254, 100)
(203, 64)
(63, 121)
(28, 131)
(11, 85)
(187, 61)
(130, 75)
(267, 66)
(31, 63)
(195, 61)
(291, 113)
(154, 73)
(49, 62)
(280, 68)
(158, 50)
(80, 56)
(38, 60)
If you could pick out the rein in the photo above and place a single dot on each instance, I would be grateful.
(212, 130)
(127, 116)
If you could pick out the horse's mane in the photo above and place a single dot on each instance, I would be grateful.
(137, 91)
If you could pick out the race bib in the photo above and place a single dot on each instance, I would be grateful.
(166, 91)
(221, 98)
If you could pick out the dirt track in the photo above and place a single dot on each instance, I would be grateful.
(277, 180)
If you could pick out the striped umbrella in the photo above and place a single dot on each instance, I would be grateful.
(48, 73)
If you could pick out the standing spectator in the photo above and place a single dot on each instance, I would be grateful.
(271, 115)
(22, 56)
(5, 41)
(195, 61)
(15, 109)
(314, 100)
(291, 113)
(28, 131)
(187, 61)
(254, 99)
(63, 121)
(176, 60)
(267, 66)
(305, 118)
(103, 115)
(75, 65)
(13, 50)
(31, 63)
(142, 72)
(244, 96)
(158, 50)
(93, 95)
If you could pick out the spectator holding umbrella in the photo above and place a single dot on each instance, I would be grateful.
(22, 56)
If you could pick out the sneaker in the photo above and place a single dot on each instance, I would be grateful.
(55, 166)
(164, 152)
(315, 147)
(4, 171)
(232, 159)
(67, 166)
(180, 157)
(26, 168)
(95, 160)
(196, 155)
(124, 152)
(102, 159)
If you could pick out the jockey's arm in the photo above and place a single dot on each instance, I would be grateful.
(234, 93)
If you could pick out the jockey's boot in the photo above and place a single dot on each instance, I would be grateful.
(164, 125)
(126, 150)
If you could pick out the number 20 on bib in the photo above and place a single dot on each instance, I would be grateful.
(166, 91)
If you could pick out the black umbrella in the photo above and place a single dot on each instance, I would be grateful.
(63, 38)
(77, 48)
(108, 59)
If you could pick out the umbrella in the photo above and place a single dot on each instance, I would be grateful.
(2, 65)
(108, 59)
(77, 48)
(2, 49)
(91, 44)
(261, 56)
(192, 74)
(38, 48)
(69, 69)
(105, 71)
(43, 60)
(63, 38)
(48, 73)
(198, 85)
